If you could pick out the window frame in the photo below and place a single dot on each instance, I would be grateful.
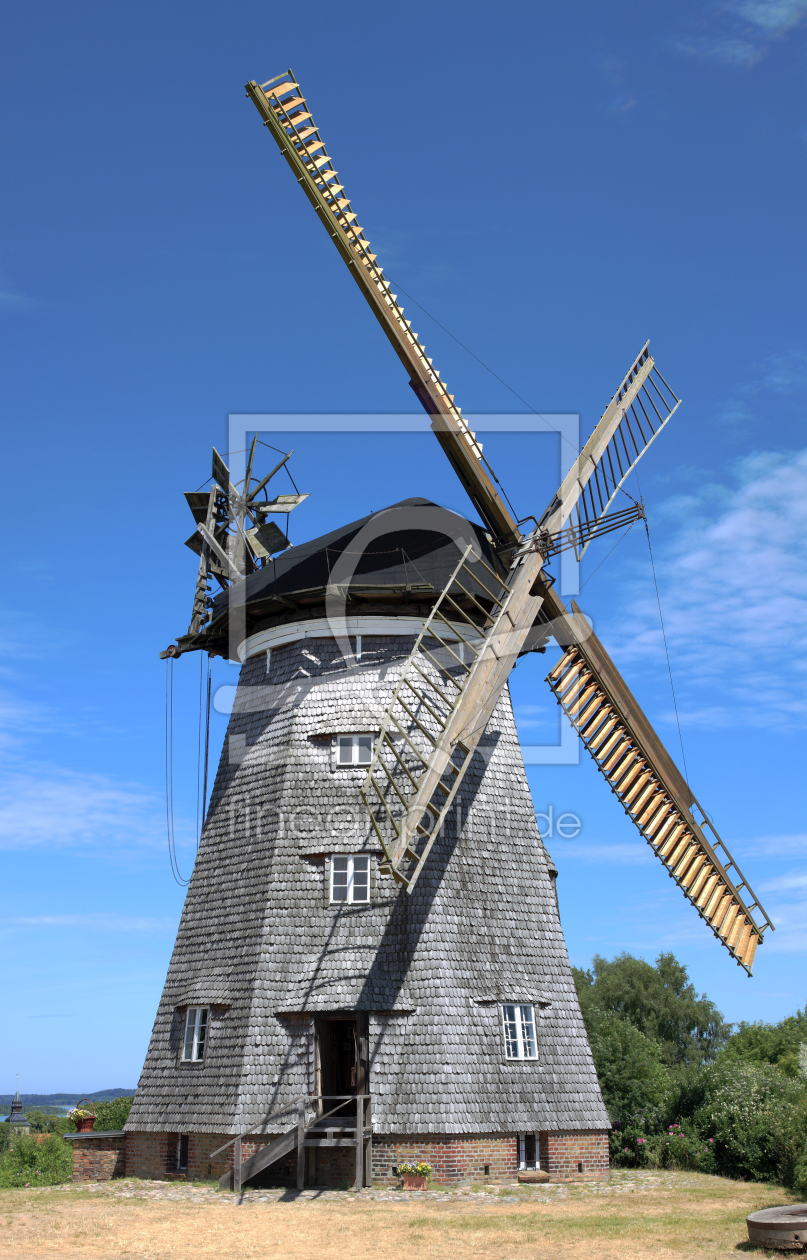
(354, 763)
(513, 1032)
(524, 1164)
(197, 1024)
(350, 859)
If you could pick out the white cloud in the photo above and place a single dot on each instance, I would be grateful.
(47, 808)
(726, 50)
(750, 27)
(782, 373)
(775, 17)
(791, 882)
(11, 300)
(772, 846)
(733, 583)
(789, 918)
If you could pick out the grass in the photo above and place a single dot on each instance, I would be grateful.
(694, 1218)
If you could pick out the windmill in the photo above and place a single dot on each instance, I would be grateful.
(370, 966)
(587, 684)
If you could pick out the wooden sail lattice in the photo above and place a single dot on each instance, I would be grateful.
(648, 797)
(286, 113)
(633, 419)
(442, 703)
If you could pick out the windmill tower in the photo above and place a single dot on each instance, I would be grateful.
(370, 967)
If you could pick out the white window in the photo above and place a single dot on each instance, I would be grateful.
(354, 750)
(519, 1032)
(193, 1048)
(528, 1152)
(350, 877)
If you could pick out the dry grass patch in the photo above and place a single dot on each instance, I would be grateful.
(693, 1222)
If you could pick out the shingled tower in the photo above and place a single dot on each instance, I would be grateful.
(300, 970)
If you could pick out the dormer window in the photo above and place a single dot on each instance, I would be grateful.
(354, 750)
(350, 878)
(193, 1047)
(520, 1041)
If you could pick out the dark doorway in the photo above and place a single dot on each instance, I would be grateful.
(342, 1060)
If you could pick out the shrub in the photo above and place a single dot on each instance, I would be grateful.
(31, 1163)
(113, 1114)
(757, 1118)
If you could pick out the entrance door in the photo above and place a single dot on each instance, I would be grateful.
(342, 1046)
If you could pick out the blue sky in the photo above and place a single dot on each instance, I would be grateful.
(555, 184)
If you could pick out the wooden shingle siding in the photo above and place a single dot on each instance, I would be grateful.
(482, 923)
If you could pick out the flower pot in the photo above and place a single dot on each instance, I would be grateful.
(411, 1181)
(83, 1123)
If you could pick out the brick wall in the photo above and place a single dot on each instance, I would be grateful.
(469, 1158)
(99, 1156)
(474, 1157)
(153, 1156)
(575, 1155)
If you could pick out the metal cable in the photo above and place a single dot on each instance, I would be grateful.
(666, 649)
(207, 743)
(169, 772)
(487, 369)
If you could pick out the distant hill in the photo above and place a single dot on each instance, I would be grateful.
(63, 1100)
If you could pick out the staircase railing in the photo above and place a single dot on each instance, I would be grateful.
(363, 1127)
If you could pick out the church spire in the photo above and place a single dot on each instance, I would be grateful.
(17, 1118)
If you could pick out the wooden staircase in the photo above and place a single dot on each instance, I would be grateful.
(653, 797)
(431, 728)
(327, 1130)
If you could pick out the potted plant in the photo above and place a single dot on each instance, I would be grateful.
(415, 1176)
(81, 1117)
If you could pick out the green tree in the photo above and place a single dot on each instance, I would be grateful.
(629, 1065)
(41, 1121)
(113, 1114)
(771, 1043)
(659, 1001)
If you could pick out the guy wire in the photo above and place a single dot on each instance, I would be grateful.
(666, 649)
(207, 743)
(169, 772)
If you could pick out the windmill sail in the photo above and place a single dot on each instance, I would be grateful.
(654, 795)
(287, 115)
(632, 420)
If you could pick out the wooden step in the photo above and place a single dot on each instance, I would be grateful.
(262, 1158)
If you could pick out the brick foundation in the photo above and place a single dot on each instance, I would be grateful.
(573, 1155)
(153, 1156)
(98, 1156)
(478, 1157)
(580, 1155)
